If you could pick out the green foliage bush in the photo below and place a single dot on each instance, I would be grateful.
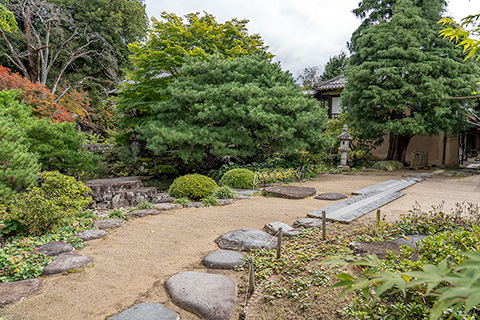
(238, 179)
(193, 186)
(17, 261)
(43, 208)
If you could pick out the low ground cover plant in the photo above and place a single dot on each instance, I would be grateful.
(442, 283)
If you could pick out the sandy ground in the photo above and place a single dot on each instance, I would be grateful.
(133, 262)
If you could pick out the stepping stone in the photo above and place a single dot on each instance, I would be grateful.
(55, 248)
(11, 292)
(91, 234)
(290, 192)
(246, 239)
(369, 199)
(167, 206)
(194, 205)
(66, 262)
(223, 259)
(142, 213)
(147, 311)
(211, 296)
(308, 223)
(110, 223)
(381, 248)
(287, 231)
(331, 196)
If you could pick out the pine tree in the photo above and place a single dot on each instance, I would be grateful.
(18, 166)
(243, 107)
(400, 73)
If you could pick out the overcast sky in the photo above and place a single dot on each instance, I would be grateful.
(300, 33)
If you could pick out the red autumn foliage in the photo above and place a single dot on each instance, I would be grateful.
(42, 102)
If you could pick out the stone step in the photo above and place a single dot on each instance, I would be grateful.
(375, 188)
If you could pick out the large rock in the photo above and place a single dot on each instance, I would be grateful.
(274, 227)
(211, 296)
(103, 189)
(55, 248)
(91, 234)
(130, 197)
(11, 292)
(223, 259)
(388, 165)
(194, 204)
(381, 248)
(142, 213)
(162, 197)
(147, 311)
(331, 196)
(66, 262)
(246, 239)
(109, 223)
(290, 192)
(308, 223)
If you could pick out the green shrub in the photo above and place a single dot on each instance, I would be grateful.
(238, 179)
(117, 213)
(44, 207)
(210, 201)
(388, 165)
(225, 192)
(192, 186)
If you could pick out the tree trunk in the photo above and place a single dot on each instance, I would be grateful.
(31, 58)
(397, 147)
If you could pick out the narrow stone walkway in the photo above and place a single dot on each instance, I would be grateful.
(367, 200)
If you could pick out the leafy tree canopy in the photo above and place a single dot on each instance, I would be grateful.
(7, 19)
(466, 34)
(169, 41)
(243, 107)
(335, 66)
(400, 73)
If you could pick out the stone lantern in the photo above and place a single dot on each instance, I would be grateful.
(345, 138)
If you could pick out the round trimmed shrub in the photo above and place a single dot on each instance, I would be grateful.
(238, 179)
(192, 186)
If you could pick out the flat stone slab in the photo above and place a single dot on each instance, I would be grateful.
(274, 227)
(55, 248)
(290, 192)
(11, 292)
(308, 223)
(66, 262)
(167, 206)
(381, 248)
(211, 296)
(331, 196)
(246, 239)
(91, 234)
(223, 259)
(142, 213)
(147, 311)
(110, 223)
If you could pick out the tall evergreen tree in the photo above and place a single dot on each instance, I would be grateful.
(401, 71)
(335, 66)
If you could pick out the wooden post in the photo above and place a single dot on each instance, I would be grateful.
(279, 243)
(324, 225)
(251, 277)
(378, 217)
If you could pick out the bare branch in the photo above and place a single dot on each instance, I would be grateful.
(16, 59)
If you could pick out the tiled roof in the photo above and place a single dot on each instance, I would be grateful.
(331, 84)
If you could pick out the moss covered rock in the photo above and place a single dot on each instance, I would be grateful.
(388, 165)
(192, 186)
(238, 179)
